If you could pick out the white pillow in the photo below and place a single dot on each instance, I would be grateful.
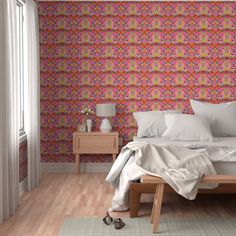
(187, 127)
(224, 115)
(151, 123)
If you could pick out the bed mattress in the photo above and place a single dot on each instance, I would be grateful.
(221, 167)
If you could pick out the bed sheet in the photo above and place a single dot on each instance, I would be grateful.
(222, 163)
(221, 142)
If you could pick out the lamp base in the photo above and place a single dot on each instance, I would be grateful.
(105, 126)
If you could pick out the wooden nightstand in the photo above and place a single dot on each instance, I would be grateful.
(95, 143)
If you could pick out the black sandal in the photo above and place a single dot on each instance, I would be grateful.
(119, 223)
(107, 219)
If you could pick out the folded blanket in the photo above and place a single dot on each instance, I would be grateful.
(180, 167)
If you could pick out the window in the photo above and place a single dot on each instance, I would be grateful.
(20, 60)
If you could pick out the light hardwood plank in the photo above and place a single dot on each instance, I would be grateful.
(42, 211)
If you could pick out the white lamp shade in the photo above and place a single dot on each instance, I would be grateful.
(106, 110)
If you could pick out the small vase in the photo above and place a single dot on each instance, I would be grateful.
(89, 124)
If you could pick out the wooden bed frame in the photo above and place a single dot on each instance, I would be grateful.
(136, 190)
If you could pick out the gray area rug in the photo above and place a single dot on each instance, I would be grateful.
(194, 226)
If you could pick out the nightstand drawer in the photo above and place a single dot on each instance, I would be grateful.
(95, 144)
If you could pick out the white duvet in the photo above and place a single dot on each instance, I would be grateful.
(126, 170)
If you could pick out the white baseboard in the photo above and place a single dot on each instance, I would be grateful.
(69, 167)
(23, 186)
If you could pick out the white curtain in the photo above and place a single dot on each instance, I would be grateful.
(9, 111)
(32, 113)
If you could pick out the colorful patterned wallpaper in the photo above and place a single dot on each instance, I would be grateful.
(23, 168)
(140, 55)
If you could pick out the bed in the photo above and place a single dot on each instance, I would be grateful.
(227, 167)
(222, 152)
(182, 162)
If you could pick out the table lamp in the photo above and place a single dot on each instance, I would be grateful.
(106, 110)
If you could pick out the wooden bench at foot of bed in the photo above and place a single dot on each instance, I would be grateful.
(136, 190)
(160, 183)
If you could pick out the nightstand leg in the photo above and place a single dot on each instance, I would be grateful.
(114, 157)
(77, 163)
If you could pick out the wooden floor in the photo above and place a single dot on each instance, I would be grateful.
(42, 211)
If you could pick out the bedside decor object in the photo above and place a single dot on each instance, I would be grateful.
(89, 124)
(106, 110)
(94, 143)
(81, 128)
(88, 112)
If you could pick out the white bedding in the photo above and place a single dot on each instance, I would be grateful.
(222, 153)
(224, 159)
(221, 142)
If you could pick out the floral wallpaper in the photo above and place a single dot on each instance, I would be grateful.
(23, 169)
(140, 55)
